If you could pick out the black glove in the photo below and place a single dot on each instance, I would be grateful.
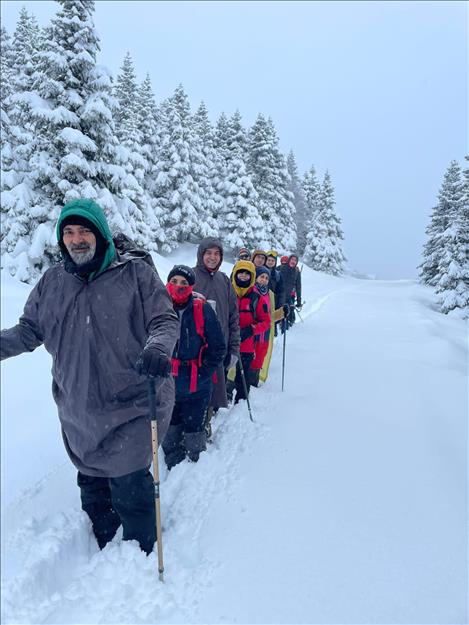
(286, 310)
(246, 332)
(299, 305)
(153, 362)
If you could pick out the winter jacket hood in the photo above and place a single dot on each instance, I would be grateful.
(217, 286)
(204, 245)
(90, 210)
(243, 265)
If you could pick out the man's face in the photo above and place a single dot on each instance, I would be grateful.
(244, 256)
(80, 243)
(293, 262)
(270, 262)
(212, 258)
(259, 260)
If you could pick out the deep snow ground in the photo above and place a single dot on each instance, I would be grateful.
(345, 501)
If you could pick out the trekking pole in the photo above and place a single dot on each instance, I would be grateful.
(284, 321)
(156, 474)
(298, 313)
(245, 386)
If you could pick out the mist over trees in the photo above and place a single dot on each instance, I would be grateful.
(163, 173)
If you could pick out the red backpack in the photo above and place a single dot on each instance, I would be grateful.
(195, 363)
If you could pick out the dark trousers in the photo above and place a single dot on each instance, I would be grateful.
(186, 434)
(291, 315)
(246, 360)
(128, 500)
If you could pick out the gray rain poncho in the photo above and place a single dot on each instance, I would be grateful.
(95, 331)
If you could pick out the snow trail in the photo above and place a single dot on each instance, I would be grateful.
(345, 501)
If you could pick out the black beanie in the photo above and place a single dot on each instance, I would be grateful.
(184, 271)
(78, 220)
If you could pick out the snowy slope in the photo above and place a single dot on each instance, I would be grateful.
(345, 501)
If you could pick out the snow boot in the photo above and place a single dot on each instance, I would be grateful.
(194, 444)
(208, 425)
(97, 503)
(172, 446)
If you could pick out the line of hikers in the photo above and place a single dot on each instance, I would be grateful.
(109, 323)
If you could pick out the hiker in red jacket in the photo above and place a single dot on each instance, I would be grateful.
(254, 320)
(261, 343)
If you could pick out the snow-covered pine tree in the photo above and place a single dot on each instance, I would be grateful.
(26, 44)
(311, 190)
(301, 216)
(434, 250)
(286, 210)
(7, 178)
(323, 242)
(18, 136)
(235, 137)
(241, 225)
(75, 151)
(176, 189)
(267, 169)
(208, 175)
(148, 128)
(452, 284)
(126, 115)
(221, 136)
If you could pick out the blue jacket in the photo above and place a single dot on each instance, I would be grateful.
(189, 345)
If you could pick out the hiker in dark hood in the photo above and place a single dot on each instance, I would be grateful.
(292, 284)
(108, 322)
(215, 285)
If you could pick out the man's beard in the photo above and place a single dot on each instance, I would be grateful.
(80, 258)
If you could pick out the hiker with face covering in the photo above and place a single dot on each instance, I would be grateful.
(107, 320)
(198, 353)
(215, 285)
(254, 320)
(261, 341)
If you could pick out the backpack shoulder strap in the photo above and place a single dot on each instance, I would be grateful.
(199, 317)
(254, 298)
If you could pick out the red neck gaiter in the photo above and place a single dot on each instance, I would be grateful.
(179, 294)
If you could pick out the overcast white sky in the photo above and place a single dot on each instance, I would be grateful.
(376, 92)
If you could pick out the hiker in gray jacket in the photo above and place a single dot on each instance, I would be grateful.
(108, 322)
(215, 285)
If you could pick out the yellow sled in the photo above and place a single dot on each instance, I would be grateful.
(265, 367)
